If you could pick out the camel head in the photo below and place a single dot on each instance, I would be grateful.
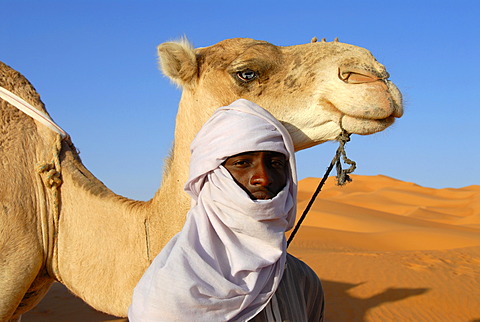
(316, 90)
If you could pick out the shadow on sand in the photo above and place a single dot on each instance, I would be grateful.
(61, 305)
(341, 306)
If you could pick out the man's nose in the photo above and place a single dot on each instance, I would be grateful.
(261, 176)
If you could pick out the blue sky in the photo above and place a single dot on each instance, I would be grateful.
(94, 64)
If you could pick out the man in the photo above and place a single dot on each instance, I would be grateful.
(229, 262)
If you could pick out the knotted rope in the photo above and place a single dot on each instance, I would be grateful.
(50, 173)
(343, 174)
(342, 177)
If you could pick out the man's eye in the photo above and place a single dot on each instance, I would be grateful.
(247, 75)
(278, 164)
(240, 163)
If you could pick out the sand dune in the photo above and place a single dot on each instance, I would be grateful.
(385, 250)
(388, 250)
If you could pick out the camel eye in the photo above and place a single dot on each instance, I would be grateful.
(247, 75)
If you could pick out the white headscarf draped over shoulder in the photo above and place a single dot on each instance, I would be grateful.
(227, 262)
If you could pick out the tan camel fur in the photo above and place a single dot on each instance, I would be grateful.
(104, 242)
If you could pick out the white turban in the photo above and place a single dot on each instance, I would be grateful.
(229, 258)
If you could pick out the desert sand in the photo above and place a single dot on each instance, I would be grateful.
(385, 250)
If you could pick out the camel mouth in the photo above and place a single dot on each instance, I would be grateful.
(396, 112)
(376, 83)
(389, 118)
(374, 118)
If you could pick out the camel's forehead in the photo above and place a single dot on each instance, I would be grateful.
(230, 49)
(234, 44)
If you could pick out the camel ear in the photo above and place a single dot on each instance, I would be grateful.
(178, 61)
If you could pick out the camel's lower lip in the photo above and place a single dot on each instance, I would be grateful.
(362, 126)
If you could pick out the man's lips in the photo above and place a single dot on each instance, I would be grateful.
(262, 194)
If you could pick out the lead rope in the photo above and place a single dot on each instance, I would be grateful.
(342, 177)
(51, 175)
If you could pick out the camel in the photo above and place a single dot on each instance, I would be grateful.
(80, 233)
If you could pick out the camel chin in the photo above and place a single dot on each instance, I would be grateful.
(355, 125)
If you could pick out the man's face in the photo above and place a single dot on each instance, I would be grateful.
(262, 174)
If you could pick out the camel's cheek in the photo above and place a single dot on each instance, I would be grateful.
(310, 137)
(219, 87)
(312, 124)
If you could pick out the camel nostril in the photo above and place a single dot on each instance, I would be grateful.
(353, 77)
(352, 74)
